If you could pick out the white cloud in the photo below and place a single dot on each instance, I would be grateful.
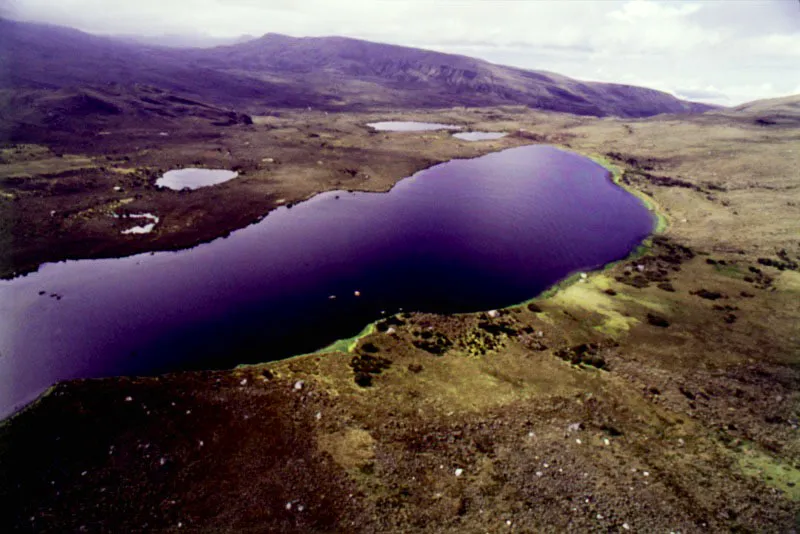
(744, 49)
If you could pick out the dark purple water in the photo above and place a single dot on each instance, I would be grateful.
(462, 236)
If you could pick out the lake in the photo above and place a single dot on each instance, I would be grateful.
(410, 126)
(192, 178)
(465, 235)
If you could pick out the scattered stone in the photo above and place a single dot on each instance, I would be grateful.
(298, 385)
(391, 330)
(493, 314)
(574, 427)
(534, 308)
(459, 472)
(243, 382)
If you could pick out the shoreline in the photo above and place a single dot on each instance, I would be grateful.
(348, 344)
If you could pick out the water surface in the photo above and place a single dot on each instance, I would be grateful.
(478, 136)
(410, 126)
(462, 236)
(192, 178)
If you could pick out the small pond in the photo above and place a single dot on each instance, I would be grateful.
(192, 178)
(462, 236)
(404, 126)
(478, 136)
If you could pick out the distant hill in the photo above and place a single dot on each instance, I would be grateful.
(326, 72)
(772, 112)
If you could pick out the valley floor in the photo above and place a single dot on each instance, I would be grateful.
(658, 395)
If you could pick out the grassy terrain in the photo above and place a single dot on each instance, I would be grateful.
(657, 395)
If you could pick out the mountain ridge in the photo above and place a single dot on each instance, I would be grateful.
(332, 73)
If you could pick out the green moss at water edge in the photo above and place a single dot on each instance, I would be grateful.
(616, 177)
(643, 249)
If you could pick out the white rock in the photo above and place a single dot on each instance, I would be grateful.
(459, 472)
(117, 188)
(391, 330)
(332, 297)
(243, 382)
(584, 276)
(357, 293)
(578, 441)
(606, 441)
(128, 399)
(298, 385)
(646, 474)
(640, 268)
(288, 506)
(494, 313)
(539, 473)
(626, 526)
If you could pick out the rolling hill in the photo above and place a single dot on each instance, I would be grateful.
(332, 73)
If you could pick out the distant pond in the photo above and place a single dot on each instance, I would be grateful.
(406, 126)
(462, 236)
(192, 178)
(478, 136)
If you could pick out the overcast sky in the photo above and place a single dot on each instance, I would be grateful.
(725, 52)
